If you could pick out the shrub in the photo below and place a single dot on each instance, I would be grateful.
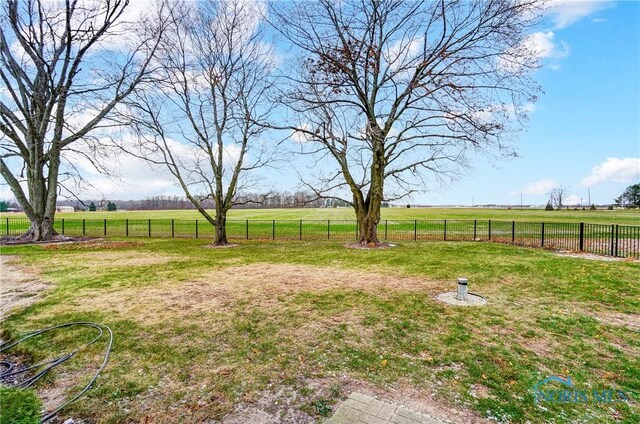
(549, 206)
(19, 406)
(592, 207)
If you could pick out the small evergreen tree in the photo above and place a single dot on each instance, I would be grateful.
(549, 206)
(630, 198)
(92, 207)
(592, 207)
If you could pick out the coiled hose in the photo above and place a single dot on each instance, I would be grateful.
(12, 370)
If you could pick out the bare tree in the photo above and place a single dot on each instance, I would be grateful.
(558, 196)
(395, 92)
(64, 67)
(199, 118)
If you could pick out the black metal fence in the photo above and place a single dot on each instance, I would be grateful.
(611, 240)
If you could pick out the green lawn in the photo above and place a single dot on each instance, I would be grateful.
(200, 330)
(619, 216)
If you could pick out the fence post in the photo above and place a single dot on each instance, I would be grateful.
(582, 236)
(489, 229)
(445, 230)
(126, 227)
(415, 229)
(513, 231)
(328, 229)
(273, 230)
(386, 224)
(149, 228)
(62, 226)
(7, 226)
(475, 229)
(173, 232)
(300, 229)
(612, 233)
(542, 236)
(105, 227)
(196, 228)
(616, 251)
(247, 229)
(83, 227)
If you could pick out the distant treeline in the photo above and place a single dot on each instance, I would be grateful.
(284, 199)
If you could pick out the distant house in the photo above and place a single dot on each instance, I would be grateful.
(65, 209)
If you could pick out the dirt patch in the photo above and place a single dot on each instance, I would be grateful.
(370, 246)
(224, 246)
(20, 285)
(93, 245)
(592, 257)
(618, 319)
(480, 391)
(544, 347)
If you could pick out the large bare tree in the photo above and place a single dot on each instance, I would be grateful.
(64, 67)
(395, 92)
(199, 118)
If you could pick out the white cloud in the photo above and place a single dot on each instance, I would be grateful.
(624, 170)
(572, 200)
(545, 47)
(537, 188)
(566, 12)
(542, 44)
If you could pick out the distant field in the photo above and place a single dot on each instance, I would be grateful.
(628, 217)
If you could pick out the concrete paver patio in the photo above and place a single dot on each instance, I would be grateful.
(363, 409)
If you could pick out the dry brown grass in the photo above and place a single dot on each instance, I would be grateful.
(93, 245)
(20, 285)
(101, 259)
(261, 285)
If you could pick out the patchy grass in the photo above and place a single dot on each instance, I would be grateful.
(200, 331)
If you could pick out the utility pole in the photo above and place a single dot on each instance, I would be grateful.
(520, 200)
(589, 191)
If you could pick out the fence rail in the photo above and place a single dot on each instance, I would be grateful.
(610, 240)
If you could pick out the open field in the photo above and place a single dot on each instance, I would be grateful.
(618, 216)
(293, 327)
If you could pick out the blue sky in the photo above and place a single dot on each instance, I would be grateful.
(583, 132)
(590, 112)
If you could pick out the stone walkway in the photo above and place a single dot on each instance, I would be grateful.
(363, 409)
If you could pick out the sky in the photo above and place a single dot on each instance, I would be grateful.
(585, 129)
(583, 133)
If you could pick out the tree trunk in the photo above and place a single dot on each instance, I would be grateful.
(41, 205)
(368, 228)
(221, 229)
(368, 210)
(41, 229)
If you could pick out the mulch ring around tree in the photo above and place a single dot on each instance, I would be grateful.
(370, 246)
(220, 246)
(10, 241)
